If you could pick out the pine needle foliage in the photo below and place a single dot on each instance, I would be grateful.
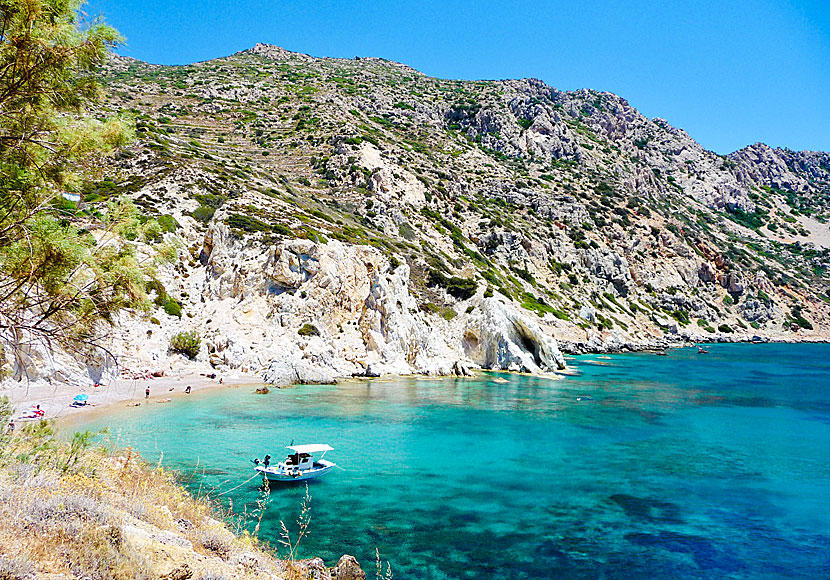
(63, 271)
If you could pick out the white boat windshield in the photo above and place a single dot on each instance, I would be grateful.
(310, 448)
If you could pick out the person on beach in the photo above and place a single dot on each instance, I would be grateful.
(11, 427)
(147, 393)
(187, 390)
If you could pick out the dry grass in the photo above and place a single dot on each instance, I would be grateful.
(90, 512)
(16, 568)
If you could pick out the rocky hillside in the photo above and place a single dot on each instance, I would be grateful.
(349, 216)
(72, 510)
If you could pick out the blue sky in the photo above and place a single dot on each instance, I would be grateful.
(730, 72)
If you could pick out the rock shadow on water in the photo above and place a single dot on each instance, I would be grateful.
(707, 555)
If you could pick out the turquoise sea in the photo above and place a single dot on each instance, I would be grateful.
(685, 466)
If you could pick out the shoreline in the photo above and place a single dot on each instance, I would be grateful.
(55, 399)
(570, 347)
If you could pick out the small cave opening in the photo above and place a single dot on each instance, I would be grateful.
(471, 343)
(530, 345)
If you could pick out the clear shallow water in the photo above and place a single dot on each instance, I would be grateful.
(685, 466)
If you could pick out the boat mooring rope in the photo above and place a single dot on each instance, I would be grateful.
(241, 484)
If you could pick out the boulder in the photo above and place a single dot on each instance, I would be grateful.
(347, 568)
(460, 369)
(705, 273)
(735, 283)
(313, 569)
(299, 371)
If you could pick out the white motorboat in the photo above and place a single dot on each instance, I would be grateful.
(299, 465)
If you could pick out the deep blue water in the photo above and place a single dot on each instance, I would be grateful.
(685, 466)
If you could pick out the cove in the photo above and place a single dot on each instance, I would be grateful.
(685, 466)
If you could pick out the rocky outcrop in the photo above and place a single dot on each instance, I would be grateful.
(500, 338)
(288, 370)
(370, 320)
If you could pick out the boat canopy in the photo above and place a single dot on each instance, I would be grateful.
(310, 448)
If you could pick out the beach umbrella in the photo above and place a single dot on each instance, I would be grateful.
(81, 397)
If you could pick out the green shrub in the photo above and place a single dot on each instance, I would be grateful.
(531, 302)
(246, 223)
(163, 299)
(172, 308)
(186, 343)
(681, 316)
(728, 300)
(282, 230)
(203, 213)
(752, 220)
(406, 231)
(525, 275)
(211, 200)
(168, 223)
(461, 288)
(800, 320)
(103, 189)
(448, 313)
(724, 328)
(308, 329)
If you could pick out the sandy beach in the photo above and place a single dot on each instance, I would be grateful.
(55, 399)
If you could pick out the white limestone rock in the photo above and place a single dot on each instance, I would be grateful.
(500, 338)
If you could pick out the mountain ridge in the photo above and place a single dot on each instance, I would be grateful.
(262, 46)
(259, 47)
(351, 216)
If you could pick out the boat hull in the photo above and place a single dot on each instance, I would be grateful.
(319, 469)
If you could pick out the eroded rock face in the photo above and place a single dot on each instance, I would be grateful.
(362, 313)
(292, 368)
(754, 310)
(500, 338)
(608, 266)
